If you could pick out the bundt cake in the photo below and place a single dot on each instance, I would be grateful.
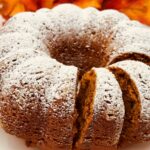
(50, 95)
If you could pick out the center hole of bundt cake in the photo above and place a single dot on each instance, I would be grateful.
(83, 52)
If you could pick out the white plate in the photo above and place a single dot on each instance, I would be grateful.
(9, 142)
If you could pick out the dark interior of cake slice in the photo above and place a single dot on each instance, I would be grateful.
(131, 56)
(132, 105)
(84, 106)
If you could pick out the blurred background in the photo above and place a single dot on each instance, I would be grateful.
(135, 9)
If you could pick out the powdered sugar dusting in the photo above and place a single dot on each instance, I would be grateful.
(16, 57)
(31, 80)
(58, 81)
(41, 83)
(108, 107)
(11, 42)
(140, 74)
(130, 37)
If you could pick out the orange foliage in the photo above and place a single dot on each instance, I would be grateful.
(135, 9)
(87, 3)
(45, 3)
(6, 7)
(30, 4)
(9, 8)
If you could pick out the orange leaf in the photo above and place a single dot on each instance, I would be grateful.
(114, 4)
(7, 6)
(88, 3)
(135, 9)
(19, 7)
(30, 4)
(46, 3)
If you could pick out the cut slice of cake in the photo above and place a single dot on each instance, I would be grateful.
(134, 80)
(101, 111)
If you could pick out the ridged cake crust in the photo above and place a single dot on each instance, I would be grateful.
(139, 73)
(107, 117)
(130, 40)
(76, 39)
(107, 104)
(38, 93)
(37, 99)
(71, 40)
(12, 42)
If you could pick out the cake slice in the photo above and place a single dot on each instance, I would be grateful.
(101, 111)
(134, 80)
